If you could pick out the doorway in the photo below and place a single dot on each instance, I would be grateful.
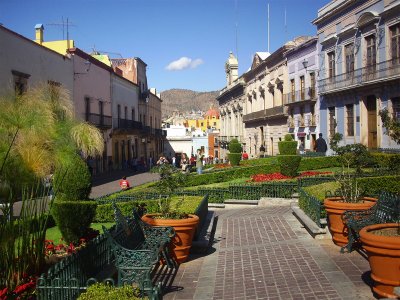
(372, 122)
(272, 147)
(313, 141)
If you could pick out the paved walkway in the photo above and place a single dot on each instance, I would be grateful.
(107, 183)
(265, 253)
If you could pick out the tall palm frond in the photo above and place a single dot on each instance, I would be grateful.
(88, 139)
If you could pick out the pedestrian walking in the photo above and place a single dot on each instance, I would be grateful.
(320, 144)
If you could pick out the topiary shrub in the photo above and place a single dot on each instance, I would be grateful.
(289, 164)
(101, 291)
(73, 218)
(288, 146)
(73, 182)
(235, 152)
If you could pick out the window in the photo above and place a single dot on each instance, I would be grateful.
(349, 58)
(119, 115)
(292, 90)
(151, 121)
(350, 119)
(371, 52)
(332, 121)
(201, 124)
(144, 119)
(87, 108)
(395, 43)
(302, 87)
(140, 118)
(312, 85)
(215, 123)
(302, 124)
(331, 64)
(20, 82)
(312, 112)
(133, 114)
(101, 112)
(396, 108)
(126, 112)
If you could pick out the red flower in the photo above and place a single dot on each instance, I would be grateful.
(3, 294)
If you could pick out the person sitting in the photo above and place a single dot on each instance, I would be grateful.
(124, 184)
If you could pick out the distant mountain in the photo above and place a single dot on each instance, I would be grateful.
(186, 101)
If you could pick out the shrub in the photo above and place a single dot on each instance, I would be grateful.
(287, 147)
(289, 164)
(288, 137)
(386, 160)
(315, 163)
(101, 291)
(234, 146)
(105, 212)
(371, 186)
(234, 158)
(73, 182)
(73, 218)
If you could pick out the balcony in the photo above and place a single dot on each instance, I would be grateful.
(146, 130)
(311, 121)
(308, 94)
(274, 112)
(291, 122)
(384, 71)
(126, 124)
(301, 122)
(98, 120)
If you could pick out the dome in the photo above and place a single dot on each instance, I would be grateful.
(212, 112)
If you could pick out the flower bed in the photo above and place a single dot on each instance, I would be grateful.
(279, 176)
(25, 290)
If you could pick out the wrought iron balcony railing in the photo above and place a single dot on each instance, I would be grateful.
(99, 120)
(277, 111)
(301, 95)
(127, 124)
(384, 71)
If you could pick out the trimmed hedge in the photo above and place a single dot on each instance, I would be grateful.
(289, 164)
(234, 146)
(386, 160)
(376, 185)
(287, 147)
(101, 291)
(105, 212)
(234, 158)
(73, 183)
(73, 218)
(315, 163)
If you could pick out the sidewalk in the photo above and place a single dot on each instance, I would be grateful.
(265, 253)
(107, 183)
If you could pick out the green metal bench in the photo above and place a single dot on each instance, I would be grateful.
(386, 210)
(138, 249)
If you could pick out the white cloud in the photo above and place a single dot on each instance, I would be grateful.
(184, 63)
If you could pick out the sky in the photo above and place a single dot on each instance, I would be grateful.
(185, 43)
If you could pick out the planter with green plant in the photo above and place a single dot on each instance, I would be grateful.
(183, 223)
(235, 152)
(382, 241)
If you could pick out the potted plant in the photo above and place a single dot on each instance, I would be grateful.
(349, 197)
(382, 244)
(184, 224)
(382, 241)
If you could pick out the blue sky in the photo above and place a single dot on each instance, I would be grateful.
(185, 43)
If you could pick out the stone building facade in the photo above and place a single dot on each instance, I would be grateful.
(359, 63)
(231, 103)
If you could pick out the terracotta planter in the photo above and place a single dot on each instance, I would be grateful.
(384, 258)
(184, 229)
(335, 208)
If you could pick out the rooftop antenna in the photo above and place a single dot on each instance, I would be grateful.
(236, 28)
(285, 26)
(268, 27)
(65, 24)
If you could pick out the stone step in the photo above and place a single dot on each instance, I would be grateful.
(310, 225)
(238, 201)
(216, 205)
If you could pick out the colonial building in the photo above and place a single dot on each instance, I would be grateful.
(359, 55)
(302, 99)
(22, 61)
(265, 115)
(231, 102)
(92, 101)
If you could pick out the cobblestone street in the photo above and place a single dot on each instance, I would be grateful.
(265, 253)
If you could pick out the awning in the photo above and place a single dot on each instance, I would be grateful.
(301, 134)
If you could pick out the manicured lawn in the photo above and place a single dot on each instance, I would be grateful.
(54, 233)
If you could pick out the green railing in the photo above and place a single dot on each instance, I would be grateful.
(71, 276)
(311, 206)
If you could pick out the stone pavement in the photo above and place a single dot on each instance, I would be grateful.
(265, 253)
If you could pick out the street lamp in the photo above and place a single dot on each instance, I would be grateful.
(305, 64)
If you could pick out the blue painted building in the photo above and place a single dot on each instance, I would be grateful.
(359, 69)
(302, 100)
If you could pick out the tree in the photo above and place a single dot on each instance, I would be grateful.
(391, 125)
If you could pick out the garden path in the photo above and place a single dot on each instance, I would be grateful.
(265, 253)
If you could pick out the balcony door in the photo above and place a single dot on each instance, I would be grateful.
(372, 122)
